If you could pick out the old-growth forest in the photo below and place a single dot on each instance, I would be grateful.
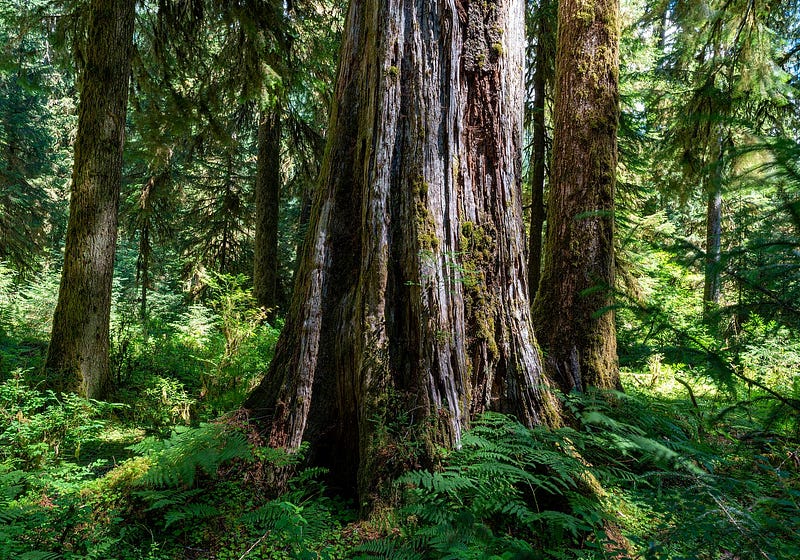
(405, 279)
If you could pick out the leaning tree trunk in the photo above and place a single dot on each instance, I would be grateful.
(571, 311)
(77, 359)
(268, 197)
(410, 312)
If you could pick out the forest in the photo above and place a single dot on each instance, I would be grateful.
(404, 279)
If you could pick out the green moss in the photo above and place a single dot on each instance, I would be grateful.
(393, 71)
(426, 229)
(497, 48)
(477, 252)
(585, 12)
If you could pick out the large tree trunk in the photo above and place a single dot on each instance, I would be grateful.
(410, 312)
(537, 172)
(571, 311)
(77, 358)
(268, 197)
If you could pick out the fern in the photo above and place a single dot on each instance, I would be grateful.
(299, 518)
(177, 460)
(39, 555)
(189, 512)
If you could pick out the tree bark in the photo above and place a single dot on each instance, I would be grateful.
(268, 197)
(712, 286)
(77, 358)
(410, 313)
(572, 308)
(537, 172)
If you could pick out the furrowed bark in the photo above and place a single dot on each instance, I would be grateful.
(410, 312)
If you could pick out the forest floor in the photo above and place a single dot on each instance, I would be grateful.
(693, 464)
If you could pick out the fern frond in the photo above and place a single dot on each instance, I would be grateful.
(39, 555)
(189, 512)
(177, 459)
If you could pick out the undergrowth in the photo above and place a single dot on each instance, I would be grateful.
(692, 462)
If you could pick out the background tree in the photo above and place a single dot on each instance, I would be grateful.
(77, 358)
(410, 297)
(541, 26)
(733, 90)
(35, 123)
(572, 307)
(267, 199)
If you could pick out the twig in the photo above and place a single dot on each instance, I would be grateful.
(255, 544)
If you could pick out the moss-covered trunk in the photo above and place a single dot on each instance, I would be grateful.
(410, 312)
(571, 310)
(268, 197)
(77, 359)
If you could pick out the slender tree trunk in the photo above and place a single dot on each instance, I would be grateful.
(268, 197)
(537, 173)
(410, 312)
(712, 287)
(143, 268)
(145, 247)
(571, 311)
(77, 358)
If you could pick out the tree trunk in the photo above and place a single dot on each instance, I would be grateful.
(268, 198)
(712, 287)
(571, 311)
(537, 173)
(143, 268)
(77, 358)
(410, 313)
(145, 247)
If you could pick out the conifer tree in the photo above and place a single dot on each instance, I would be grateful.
(77, 358)
(572, 307)
(409, 313)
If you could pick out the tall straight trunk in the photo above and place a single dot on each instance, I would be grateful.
(145, 247)
(537, 173)
(77, 359)
(712, 287)
(143, 269)
(571, 311)
(268, 197)
(410, 313)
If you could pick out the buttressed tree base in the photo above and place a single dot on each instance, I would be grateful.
(410, 311)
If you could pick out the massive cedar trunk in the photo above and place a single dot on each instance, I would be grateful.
(576, 329)
(410, 311)
(268, 195)
(77, 359)
(537, 166)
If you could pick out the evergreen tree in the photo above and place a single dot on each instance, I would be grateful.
(543, 33)
(34, 132)
(410, 314)
(572, 307)
(77, 359)
(723, 58)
